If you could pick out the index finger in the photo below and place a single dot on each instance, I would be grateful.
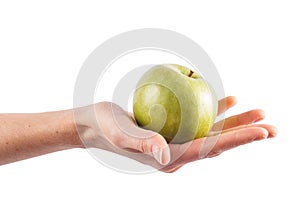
(226, 103)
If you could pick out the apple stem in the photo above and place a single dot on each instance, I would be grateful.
(191, 73)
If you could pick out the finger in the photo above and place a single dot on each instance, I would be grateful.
(272, 130)
(150, 143)
(226, 103)
(236, 138)
(240, 119)
(220, 143)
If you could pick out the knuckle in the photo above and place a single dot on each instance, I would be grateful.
(142, 145)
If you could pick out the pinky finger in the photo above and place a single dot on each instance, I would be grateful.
(236, 138)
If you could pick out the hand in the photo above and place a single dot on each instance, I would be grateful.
(106, 126)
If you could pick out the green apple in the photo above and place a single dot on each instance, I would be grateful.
(176, 102)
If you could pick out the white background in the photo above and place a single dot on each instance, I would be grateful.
(254, 44)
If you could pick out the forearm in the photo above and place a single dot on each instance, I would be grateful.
(24, 136)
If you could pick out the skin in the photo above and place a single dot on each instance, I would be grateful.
(24, 136)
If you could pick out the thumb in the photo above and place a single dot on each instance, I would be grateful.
(149, 142)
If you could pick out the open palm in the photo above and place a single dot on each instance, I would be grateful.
(120, 134)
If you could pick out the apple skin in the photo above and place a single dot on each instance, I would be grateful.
(176, 102)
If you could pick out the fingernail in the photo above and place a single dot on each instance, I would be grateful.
(157, 154)
(265, 134)
(166, 156)
(162, 155)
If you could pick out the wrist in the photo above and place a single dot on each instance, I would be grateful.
(83, 125)
(90, 125)
(69, 129)
(61, 129)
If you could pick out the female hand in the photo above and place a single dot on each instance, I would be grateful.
(107, 126)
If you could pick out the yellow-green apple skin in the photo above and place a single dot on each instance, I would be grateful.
(176, 102)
